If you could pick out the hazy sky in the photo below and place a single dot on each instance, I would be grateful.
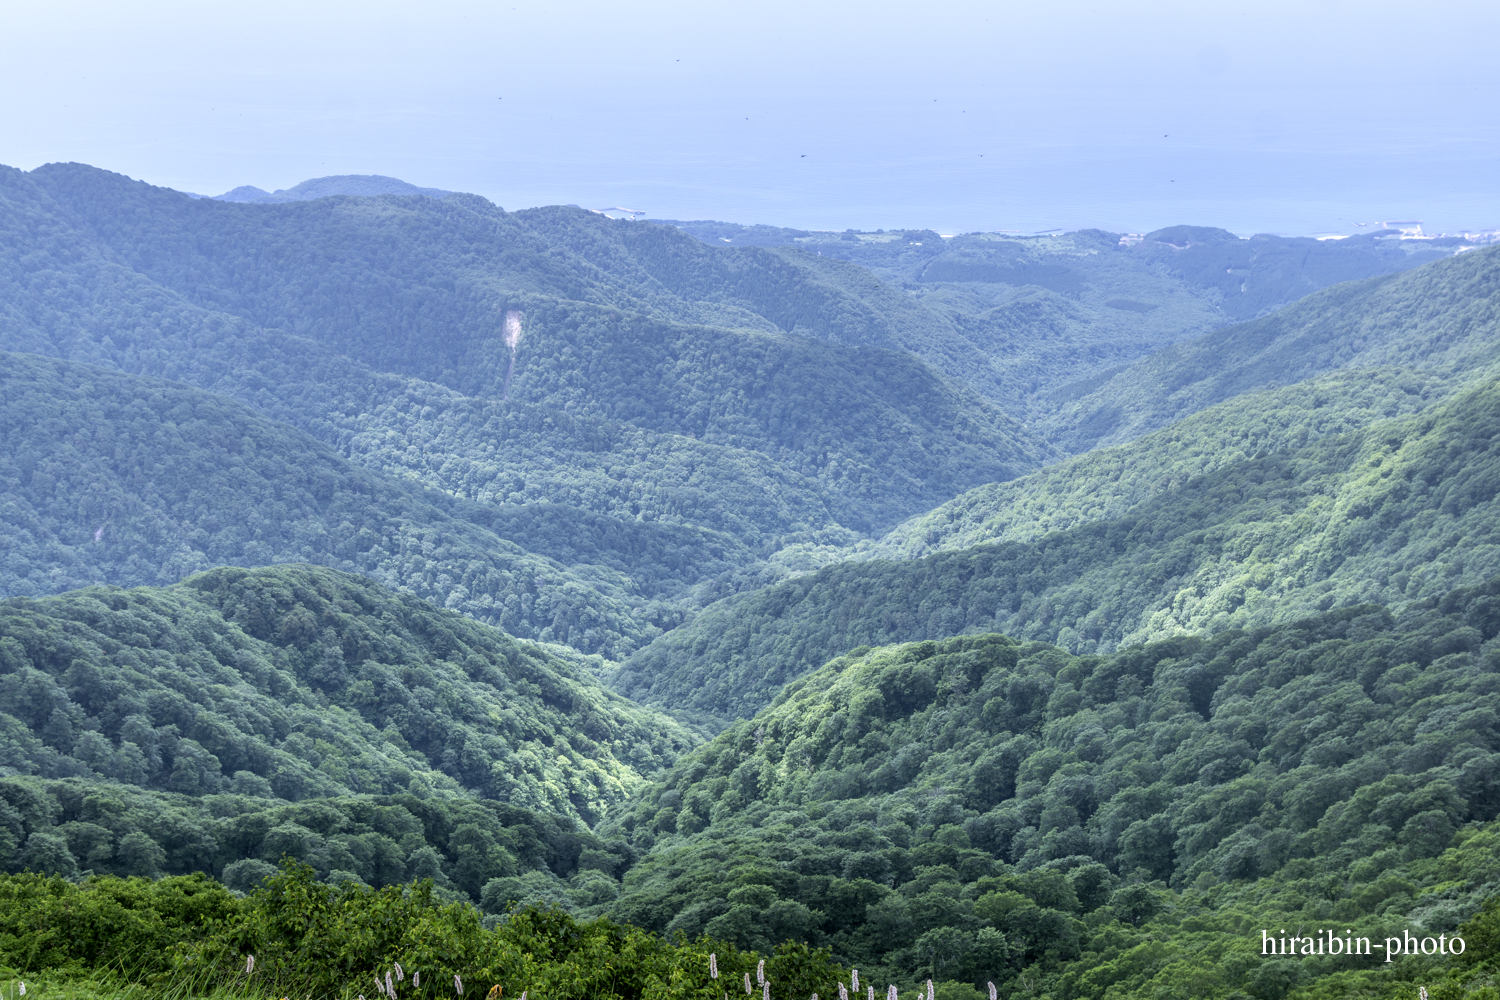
(1266, 116)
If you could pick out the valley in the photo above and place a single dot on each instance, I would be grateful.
(545, 593)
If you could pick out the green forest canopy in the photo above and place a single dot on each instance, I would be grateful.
(1439, 319)
(674, 441)
(1402, 509)
(1062, 812)
(981, 808)
(298, 682)
(973, 810)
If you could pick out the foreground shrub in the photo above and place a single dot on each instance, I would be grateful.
(313, 939)
(130, 928)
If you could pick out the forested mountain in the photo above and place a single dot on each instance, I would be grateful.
(978, 807)
(1109, 482)
(113, 478)
(420, 287)
(1245, 278)
(1064, 311)
(1440, 319)
(1402, 509)
(220, 723)
(414, 495)
(362, 185)
(311, 682)
(664, 448)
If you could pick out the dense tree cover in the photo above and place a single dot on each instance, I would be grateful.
(973, 810)
(1061, 812)
(984, 808)
(109, 478)
(180, 936)
(472, 850)
(673, 458)
(1405, 508)
(1440, 318)
(419, 287)
(1061, 311)
(376, 326)
(1110, 482)
(1026, 315)
(300, 681)
(875, 428)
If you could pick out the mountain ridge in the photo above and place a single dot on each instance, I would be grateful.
(1391, 510)
(356, 185)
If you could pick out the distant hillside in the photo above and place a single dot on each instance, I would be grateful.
(360, 185)
(1443, 319)
(629, 435)
(1403, 508)
(1243, 278)
(1014, 318)
(1058, 314)
(112, 478)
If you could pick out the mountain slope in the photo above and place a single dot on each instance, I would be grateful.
(111, 478)
(1110, 482)
(1058, 314)
(985, 808)
(1241, 278)
(1443, 318)
(300, 681)
(1402, 509)
(364, 185)
(322, 312)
